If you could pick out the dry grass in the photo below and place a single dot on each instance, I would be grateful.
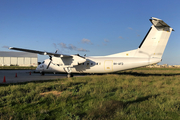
(56, 93)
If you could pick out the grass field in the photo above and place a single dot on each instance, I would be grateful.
(143, 93)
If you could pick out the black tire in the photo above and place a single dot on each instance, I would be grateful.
(42, 73)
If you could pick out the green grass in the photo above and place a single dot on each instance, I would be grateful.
(132, 94)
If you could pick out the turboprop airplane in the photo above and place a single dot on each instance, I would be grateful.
(150, 51)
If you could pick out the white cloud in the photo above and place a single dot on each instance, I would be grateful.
(104, 44)
(87, 41)
(120, 37)
(62, 45)
(72, 47)
(82, 50)
(130, 28)
(54, 44)
(106, 40)
(5, 47)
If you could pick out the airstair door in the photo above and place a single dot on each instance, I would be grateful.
(108, 65)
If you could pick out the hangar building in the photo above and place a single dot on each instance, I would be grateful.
(18, 59)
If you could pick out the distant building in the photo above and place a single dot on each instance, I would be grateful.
(163, 66)
(18, 59)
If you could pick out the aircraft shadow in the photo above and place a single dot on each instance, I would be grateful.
(147, 74)
(141, 99)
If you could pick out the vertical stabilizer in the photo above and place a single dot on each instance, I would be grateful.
(155, 41)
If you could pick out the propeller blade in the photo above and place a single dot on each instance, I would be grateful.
(48, 64)
(50, 57)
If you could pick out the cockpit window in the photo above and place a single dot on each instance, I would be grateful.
(43, 62)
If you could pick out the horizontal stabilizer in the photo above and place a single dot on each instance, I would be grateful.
(158, 22)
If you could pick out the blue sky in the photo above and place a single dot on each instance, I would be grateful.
(91, 27)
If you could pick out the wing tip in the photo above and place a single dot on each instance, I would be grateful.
(154, 18)
(10, 48)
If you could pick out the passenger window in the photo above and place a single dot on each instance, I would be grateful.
(119, 63)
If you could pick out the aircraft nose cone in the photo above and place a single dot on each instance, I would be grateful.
(38, 69)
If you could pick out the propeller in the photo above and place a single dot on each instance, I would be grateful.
(50, 57)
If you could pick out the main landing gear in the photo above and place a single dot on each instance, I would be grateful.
(42, 73)
(68, 70)
(69, 75)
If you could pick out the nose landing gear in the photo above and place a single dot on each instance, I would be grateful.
(68, 70)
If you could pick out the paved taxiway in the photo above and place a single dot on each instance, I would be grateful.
(24, 76)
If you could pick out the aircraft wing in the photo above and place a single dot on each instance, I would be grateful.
(39, 52)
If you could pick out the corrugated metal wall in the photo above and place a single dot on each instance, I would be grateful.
(1, 60)
(19, 61)
(18, 58)
(7, 61)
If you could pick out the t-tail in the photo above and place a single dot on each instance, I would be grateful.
(153, 44)
(155, 41)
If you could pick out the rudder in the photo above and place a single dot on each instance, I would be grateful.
(155, 41)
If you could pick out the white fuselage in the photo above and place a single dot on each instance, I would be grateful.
(97, 64)
(150, 51)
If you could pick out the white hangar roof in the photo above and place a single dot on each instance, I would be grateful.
(17, 54)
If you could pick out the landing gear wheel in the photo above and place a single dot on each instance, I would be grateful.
(42, 73)
(69, 75)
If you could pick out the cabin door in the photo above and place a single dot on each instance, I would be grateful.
(108, 65)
